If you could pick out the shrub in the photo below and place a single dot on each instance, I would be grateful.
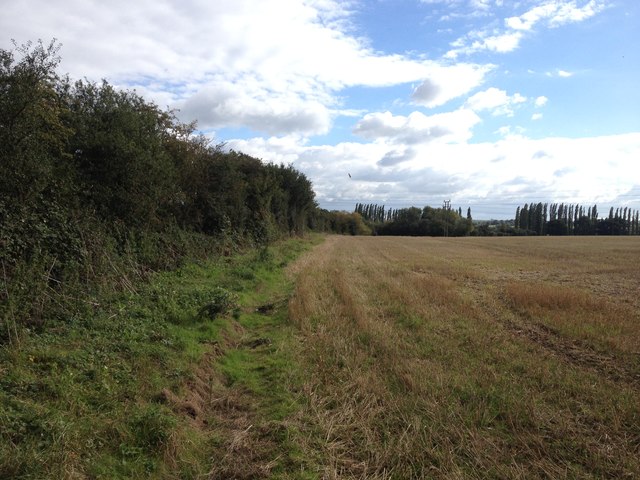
(222, 302)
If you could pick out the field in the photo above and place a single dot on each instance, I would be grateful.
(342, 358)
(470, 358)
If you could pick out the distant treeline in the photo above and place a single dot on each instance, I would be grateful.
(97, 184)
(570, 219)
(530, 219)
(414, 221)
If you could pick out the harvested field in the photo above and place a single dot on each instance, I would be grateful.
(470, 357)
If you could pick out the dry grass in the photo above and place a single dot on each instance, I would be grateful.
(470, 358)
(542, 296)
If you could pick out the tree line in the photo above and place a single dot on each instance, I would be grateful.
(574, 219)
(96, 180)
(413, 221)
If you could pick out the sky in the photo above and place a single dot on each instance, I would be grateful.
(487, 103)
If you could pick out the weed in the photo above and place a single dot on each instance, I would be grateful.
(151, 426)
(221, 302)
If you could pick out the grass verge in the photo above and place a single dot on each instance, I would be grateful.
(175, 378)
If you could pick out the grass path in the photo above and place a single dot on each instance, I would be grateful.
(146, 383)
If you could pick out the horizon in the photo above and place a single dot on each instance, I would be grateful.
(603, 213)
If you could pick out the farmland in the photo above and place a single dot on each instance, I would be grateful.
(343, 358)
(463, 358)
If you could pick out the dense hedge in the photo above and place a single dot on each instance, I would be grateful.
(97, 184)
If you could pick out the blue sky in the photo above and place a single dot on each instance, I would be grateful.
(487, 103)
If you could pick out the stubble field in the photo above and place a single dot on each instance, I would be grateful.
(469, 358)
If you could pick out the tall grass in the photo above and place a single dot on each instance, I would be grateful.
(543, 296)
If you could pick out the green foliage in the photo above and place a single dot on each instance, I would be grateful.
(341, 222)
(373, 213)
(568, 219)
(33, 134)
(119, 156)
(84, 394)
(25, 301)
(436, 222)
(151, 426)
(99, 186)
(221, 302)
(101, 193)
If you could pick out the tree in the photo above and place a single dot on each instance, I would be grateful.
(557, 227)
(36, 178)
(582, 226)
(539, 219)
(610, 226)
(120, 153)
(524, 217)
(32, 133)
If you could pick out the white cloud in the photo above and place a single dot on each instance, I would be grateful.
(568, 12)
(560, 73)
(552, 13)
(275, 66)
(417, 128)
(506, 42)
(488, 99)
(445, 83)
(498, 175)
(555, 13)
(528, 20)
(480, 4)
(479, 41)
(465, 8)
(504, 130)
(250, 105)
(397, 156)
(541, 101)
(495, 100)
(536, 116)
